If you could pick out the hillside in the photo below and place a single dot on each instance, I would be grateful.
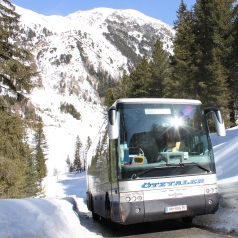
(76, 56)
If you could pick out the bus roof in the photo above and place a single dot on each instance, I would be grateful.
(156, 100)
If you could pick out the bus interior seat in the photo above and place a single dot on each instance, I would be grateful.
(180, 146)
(170, 146)
(147, 143)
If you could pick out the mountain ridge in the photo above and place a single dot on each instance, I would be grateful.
(76, 56)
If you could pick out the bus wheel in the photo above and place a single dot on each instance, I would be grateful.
(107, 209)
(113, 225)
(88, 202)
(94, 215)
(187, 220)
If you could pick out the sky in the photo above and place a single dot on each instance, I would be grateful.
(59, 214)
(164, 10)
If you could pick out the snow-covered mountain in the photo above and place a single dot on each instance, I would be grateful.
(74, 55)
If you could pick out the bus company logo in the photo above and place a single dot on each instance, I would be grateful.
(172, 183)
(175, 195)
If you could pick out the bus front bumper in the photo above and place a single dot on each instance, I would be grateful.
(164, 209)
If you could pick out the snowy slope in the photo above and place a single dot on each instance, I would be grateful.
(61, 129)
(88, 27)
(72, 55)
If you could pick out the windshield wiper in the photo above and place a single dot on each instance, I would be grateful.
(196, 164)
(134, 176)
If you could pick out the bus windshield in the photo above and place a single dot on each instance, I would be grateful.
(163, 140)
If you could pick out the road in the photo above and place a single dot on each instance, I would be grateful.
(164, 229)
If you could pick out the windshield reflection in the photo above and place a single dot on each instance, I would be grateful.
(161, 135)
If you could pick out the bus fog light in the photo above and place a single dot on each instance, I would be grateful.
(131, 197)
(210, 201)
(139, 198)
(128, 199)
(207, 190)
(137, 210)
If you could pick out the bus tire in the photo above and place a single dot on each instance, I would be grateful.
(113, 225)
(94, 215)
(187, 220)
(107, 208)
(88, 202)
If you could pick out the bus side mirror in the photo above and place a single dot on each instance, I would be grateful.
(218, 120)
(112, 123)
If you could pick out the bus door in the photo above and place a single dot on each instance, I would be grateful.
(113, 181)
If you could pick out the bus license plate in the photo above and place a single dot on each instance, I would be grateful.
(180, 208)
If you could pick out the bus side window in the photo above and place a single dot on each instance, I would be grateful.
(113, 160)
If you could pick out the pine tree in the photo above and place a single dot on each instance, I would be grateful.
(201, 51)
(141, 79)
(31, 182)
(110, 97)
(122, 89)
(232, 64)
(77, 155)
(212, 25)
(88, 143)
(40, 151)
(159, 66)
(181, 15)
(68, 162)
(182, 80)
(56, 173)
(16, 167)
(16, 71)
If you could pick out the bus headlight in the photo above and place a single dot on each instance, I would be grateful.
(131, 197)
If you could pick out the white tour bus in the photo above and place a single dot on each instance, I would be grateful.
(153, 160)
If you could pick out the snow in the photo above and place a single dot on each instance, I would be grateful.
(225, 149)
(62, 129)
(71, 82)
(86, 27)
(57, 215)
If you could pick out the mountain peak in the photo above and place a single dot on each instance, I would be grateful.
(78, 56)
